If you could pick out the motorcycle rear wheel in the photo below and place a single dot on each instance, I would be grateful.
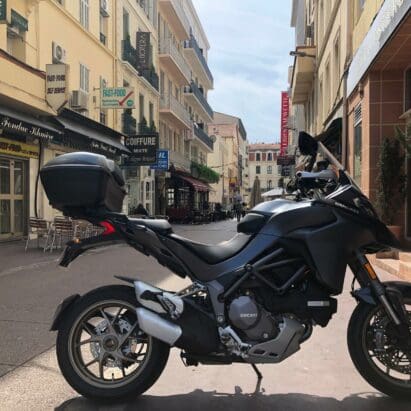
(102, 353)
(375, 353)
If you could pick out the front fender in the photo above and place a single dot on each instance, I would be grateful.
(62, 310)
(365, 294)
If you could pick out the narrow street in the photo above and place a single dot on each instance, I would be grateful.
(319, 377)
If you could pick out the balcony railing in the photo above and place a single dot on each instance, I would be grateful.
(129, 124)
(192, 44)
(130, 55)
(180, 14)
(194, 89)
(168, 47)
(169, 102)
(203, 136)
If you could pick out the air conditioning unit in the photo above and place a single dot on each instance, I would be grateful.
(79, 100)
(59, 54)
(104, 8)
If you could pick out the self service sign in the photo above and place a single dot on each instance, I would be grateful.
(117, 98)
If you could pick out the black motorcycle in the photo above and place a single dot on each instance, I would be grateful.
(252, 300)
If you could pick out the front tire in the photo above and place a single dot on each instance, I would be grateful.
(375, 354)
(100, 350)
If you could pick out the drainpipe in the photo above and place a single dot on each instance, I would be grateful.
(36, 189)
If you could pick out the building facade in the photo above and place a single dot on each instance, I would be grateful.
(228, 158)
(185, 80)
(262, 164)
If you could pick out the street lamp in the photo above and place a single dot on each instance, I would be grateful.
(301, 54)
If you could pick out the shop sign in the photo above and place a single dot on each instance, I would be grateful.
(143, 50)
(388, 18)
(162, 161)
(56, 85)
(16, 148)
(285, 160)
(29, 130)
(17, 20)
(99, 146)
(285, 109)
(143, 150)
(117, 97)
(3, 10)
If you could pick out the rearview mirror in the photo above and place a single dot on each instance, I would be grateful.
(307, 145)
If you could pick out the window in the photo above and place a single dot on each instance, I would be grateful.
(258, 169)
(170, 197)
(407, 102)
(270, 157)
(103, 117)
(147, 190)
(269, 170)
(126, 25)
(84, 78)
(150, 114)
(270, 184)
(336, 69)
(357, 143)
(258, 157)
(84, 13)
(141, 108)
(162, 79)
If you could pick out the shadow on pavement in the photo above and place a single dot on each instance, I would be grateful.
(201, 400)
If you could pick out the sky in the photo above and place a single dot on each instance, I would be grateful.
(249, 57)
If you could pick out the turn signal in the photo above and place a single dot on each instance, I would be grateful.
(108, 228)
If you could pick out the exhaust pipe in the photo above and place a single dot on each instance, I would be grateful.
(152, 324)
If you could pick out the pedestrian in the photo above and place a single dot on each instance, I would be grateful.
(238, 206)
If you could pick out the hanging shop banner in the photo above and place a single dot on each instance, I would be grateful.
(162, 161)
(56, 85)
(16, 148)
(285, 110)
(117, 98)
(143, 150)
(286, 160)
(17, 20)
(3, 10)
(29, 130)
(143, 50)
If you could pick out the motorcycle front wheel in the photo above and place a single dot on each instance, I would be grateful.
(101, 351)
(376, 352)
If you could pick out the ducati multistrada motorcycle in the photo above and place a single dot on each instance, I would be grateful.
(254, 299)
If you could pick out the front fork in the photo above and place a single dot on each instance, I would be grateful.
(390, 299)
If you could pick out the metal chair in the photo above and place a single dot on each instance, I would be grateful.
(40, 228)
(62, 227)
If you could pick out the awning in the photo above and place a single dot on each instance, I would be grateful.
(86, 127)
(196, 184)
(26, 124)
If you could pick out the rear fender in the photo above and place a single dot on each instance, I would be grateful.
(62, 310)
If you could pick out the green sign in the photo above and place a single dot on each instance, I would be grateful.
(17, 20)
(117, 97)
(3, 10)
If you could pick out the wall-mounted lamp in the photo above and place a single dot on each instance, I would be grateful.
(301, 54)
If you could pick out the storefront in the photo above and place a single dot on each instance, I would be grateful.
(186, 197)
(379, 90)
(21, 136)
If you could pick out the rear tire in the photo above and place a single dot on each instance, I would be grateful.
(152, 365)
(362, 360)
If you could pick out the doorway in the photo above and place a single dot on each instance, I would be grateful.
(12, 198)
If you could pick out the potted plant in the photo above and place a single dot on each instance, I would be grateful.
(392, 180)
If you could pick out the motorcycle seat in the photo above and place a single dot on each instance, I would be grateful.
(214, 253)
(159, 226)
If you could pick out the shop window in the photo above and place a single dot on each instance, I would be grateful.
(407, 102)
(357, 143)
(258, 169)
(84, 13)
(269, 170)
(170, 197)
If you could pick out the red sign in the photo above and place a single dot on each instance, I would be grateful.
(285, 109)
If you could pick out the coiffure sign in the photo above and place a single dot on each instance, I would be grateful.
(143, 150)
(388, 18)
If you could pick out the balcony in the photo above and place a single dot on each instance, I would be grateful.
(197, 60)
(204, 137)
(176, 15)
(179, 161)
(130, 56)
(173, 61)
(172, 110)
(197, 99)
(303, 75)
(129, 124)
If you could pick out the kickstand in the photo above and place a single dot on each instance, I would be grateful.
(259, 379)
